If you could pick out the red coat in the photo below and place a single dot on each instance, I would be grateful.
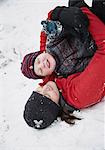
(87, 88)
(43, 37)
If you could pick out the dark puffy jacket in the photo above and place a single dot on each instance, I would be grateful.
(75, 47)
(98, 7)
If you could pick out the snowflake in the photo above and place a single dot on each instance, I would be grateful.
(38, 123)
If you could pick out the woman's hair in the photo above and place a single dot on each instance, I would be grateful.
(68, 117)
(66, 112)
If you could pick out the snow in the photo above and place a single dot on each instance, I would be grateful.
(19, 34)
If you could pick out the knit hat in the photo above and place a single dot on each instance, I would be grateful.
(27, 66)
(40, 111)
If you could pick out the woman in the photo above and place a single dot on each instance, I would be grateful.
(69, 53)
(78, 91)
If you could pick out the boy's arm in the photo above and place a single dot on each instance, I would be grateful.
(70, 17)
(43, 36)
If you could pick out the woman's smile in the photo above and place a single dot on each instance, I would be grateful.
(47, 63)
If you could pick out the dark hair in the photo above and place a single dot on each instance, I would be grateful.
(68, 117)
(66, 112)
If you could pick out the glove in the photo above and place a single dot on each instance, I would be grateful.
(49, 26)
(52, 28)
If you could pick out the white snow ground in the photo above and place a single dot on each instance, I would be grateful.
(19, 34)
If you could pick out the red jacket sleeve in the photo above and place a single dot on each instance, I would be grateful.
(43, 39)
(87, 88)
(43, 36)
(49, 15)
(96, 27)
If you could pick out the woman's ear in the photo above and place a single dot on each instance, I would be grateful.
(31, 67)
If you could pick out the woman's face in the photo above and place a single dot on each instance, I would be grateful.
(44, 64)
(49, 90)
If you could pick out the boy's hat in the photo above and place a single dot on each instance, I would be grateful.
(27, 65)
(40, 111)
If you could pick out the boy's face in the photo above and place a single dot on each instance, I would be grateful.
(44, 64)
(49, 90)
